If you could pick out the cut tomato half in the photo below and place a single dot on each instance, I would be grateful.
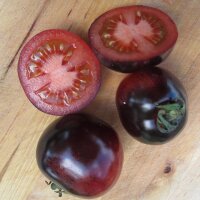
(129, 37)
(58, 72)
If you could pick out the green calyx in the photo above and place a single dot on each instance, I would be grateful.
(169, 116)
(56, 188)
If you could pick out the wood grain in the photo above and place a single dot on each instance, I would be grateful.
(166, 172)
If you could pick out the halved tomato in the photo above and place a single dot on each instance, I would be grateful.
(130, 37)
(58, 72)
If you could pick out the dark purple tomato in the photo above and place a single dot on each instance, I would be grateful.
(127, 38)
(81, 154)
(152, 105)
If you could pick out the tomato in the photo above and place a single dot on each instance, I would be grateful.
(127, 38)
(152, 105)
(81, 154)
(58, 72)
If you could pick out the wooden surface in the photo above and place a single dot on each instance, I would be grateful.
(167, 172)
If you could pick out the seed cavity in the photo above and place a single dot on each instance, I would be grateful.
(113, 21)
(77, 89)
(111, 43)
(81, 85)
(61, 47)
(48, 48)
(106, 35)
(43, 51)
(121, 18)
(66, 98)
(52, 98)
(83, 81)
(138, 13)
(110, 25)
(154, 39)
(33, 71)
(85, 72)
(40, 54)
(54, 48)
(75, 94)
(43, 92)
(134, 43)
(36, 57)
(138, 17)
(110, 28)
(68, 55)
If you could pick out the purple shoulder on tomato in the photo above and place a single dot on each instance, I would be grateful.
(81, 154)
(152, 105)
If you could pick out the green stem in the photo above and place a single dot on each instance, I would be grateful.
(166, 124)
(169, 116)
(56, 188)
(169, 107)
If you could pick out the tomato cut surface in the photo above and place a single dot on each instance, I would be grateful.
(132, 36)
(58, 72)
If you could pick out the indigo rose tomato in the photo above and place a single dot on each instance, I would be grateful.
(58, 72)
(152, 105)
(80, 153)
(130, 37)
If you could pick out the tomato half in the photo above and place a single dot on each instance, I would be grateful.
(58, 72)
(130, 37)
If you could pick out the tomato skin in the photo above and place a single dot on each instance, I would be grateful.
(139, 99)
(80, 153)
(34, 43)
(125, 63)
(130, 66)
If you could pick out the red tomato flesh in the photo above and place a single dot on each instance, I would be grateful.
(58, 72)
(132, 34)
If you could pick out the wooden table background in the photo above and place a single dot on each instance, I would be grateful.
(166, 172)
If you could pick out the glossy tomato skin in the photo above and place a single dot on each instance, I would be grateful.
(152, 105)
(80, 153)
(130, 66)
(126, 62)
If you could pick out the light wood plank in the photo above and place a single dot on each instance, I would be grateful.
(144, 175)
